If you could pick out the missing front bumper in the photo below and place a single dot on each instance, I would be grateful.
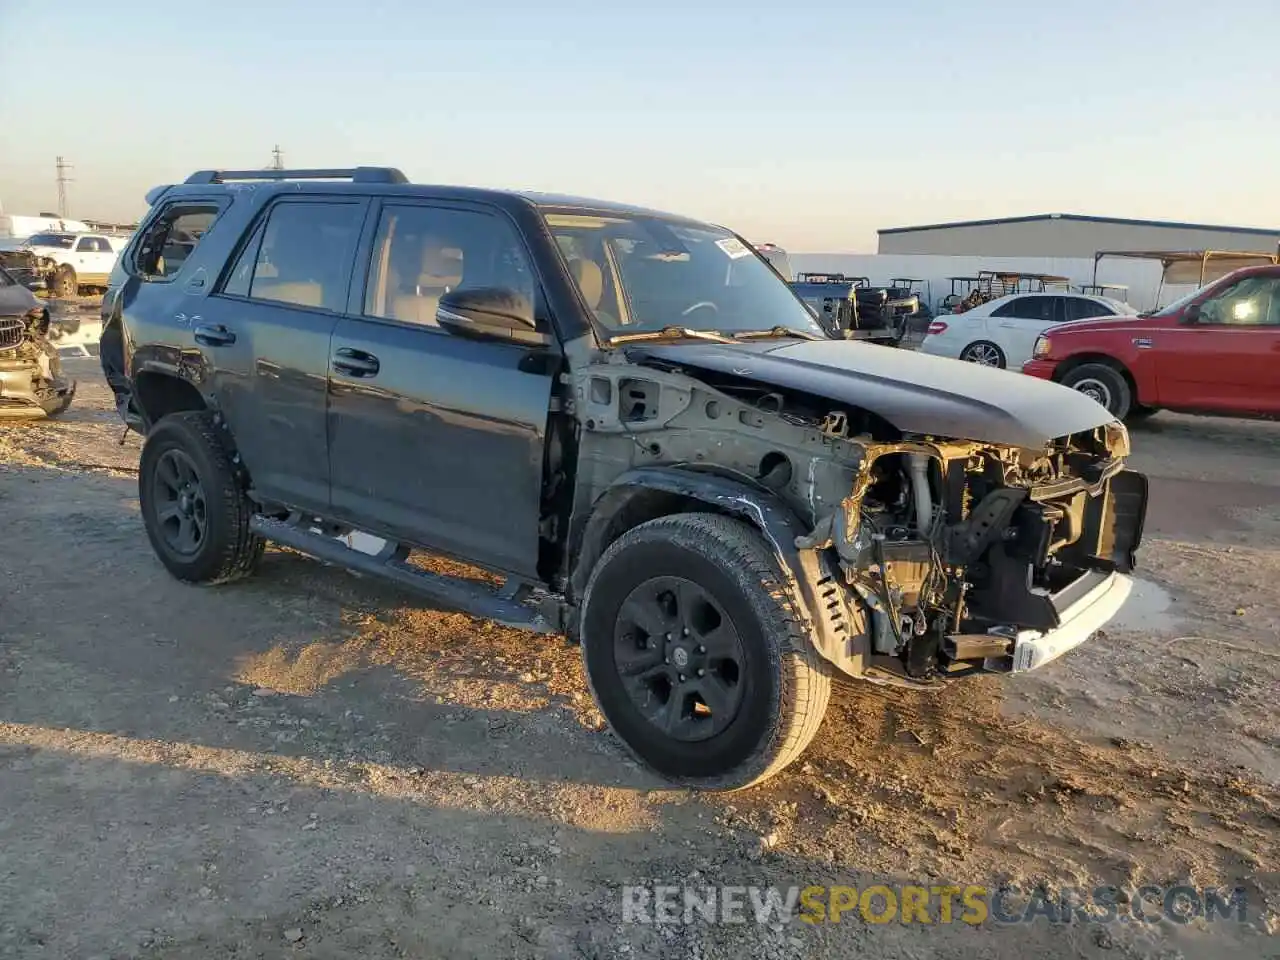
(1077, 623)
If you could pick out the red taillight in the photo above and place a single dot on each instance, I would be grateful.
(938, 326)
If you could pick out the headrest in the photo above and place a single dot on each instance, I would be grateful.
(441, 266)
(590, 279)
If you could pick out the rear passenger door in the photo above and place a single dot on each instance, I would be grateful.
(1019, 322)
(266, 335)
(437, 439)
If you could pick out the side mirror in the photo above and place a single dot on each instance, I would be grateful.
(489, 313)
(1191, 314)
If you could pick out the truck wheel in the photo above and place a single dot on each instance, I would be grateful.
(696, 654)
(65, 285)
(1104, 384)
(193, 504)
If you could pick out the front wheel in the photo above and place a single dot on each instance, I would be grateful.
(1104, 384)
(65, 284)
(193, 505)
(696, 654)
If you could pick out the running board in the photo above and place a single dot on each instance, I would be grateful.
(457, 594)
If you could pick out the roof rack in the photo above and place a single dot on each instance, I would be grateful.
(354, 174)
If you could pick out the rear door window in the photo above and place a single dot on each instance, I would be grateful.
(301, 255)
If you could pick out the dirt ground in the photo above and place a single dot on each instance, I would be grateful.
(310, 764)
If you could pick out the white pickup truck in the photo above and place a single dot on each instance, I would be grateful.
(74, 260)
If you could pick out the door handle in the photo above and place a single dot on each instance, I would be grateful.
(355, 363)
(214, 335)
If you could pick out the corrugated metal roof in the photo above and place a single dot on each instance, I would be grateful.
(1259, 231)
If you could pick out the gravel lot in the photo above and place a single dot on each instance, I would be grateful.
(310, 764)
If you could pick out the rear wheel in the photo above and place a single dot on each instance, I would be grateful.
(193, 505)
(696, 654)
(1104, 384)
(984, 353)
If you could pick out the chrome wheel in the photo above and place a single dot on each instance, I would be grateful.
(1095, 390)
(984, 354)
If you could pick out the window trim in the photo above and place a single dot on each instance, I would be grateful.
(257, 229)
(363, 267)
(129, 256)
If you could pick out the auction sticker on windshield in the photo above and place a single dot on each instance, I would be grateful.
(733, 248)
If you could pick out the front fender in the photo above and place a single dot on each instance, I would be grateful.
(646, 493)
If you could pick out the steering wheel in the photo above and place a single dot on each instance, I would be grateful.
(700, 305)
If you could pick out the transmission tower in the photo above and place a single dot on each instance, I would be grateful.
(63, 166)
(277, 158)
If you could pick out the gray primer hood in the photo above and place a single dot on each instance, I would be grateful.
(915, 392)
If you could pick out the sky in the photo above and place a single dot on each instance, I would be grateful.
(807, 125)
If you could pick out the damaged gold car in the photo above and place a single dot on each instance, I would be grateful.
(632, 419)
(32, 384)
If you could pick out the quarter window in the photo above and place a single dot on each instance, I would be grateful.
(421, 253)
(301, 255)
(171, 238)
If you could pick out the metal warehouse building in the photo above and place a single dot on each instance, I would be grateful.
(1069, 235)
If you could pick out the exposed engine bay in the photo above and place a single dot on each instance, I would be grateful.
(947, 549)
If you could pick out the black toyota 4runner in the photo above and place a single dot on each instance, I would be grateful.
(630, 417)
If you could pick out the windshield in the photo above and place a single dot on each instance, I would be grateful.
(1178, 304)
(63, 240)
(639, 273)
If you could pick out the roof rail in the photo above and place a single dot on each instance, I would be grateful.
(354, 174)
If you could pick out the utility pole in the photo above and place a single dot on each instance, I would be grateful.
(62, 166)
(277, 159)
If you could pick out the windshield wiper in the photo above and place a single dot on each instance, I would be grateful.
(778, 331)
(672, 333)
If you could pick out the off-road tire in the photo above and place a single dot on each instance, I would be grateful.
(65, 284)
(1118, 397)
(788, 683)
(970, 354)
(229, 550)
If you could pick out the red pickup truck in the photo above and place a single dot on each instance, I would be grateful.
(1216, 350)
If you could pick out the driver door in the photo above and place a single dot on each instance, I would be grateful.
(1226, 358)
(437, 439)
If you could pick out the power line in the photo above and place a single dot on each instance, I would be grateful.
(277, 158)
(62, 166)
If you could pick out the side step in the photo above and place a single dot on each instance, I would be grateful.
(457, 594)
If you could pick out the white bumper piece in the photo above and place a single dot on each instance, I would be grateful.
(1033, 648)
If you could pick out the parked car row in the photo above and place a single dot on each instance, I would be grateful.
(1216, 350)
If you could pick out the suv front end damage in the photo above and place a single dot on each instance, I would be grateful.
(32, 384)
(968, 557)
(921, 559)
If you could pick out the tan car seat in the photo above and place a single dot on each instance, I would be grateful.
(441, 272)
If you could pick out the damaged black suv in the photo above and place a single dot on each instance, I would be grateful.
(630, 417)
